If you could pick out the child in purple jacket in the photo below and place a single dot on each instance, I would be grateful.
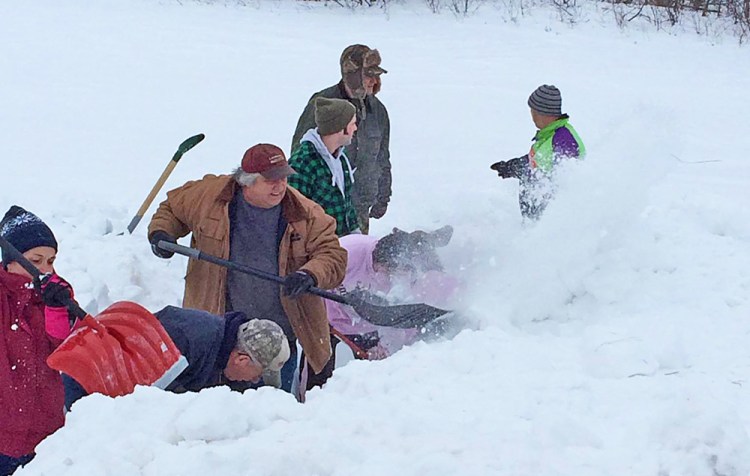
(402, 265)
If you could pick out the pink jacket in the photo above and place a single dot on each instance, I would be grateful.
(432, 288)
(31, 393)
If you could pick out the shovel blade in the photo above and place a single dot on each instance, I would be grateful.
(404, 316)
(122, 347)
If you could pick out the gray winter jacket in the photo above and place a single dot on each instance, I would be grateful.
(368, 152)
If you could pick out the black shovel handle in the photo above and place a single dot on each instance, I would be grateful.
(200, 255)
(15, 255)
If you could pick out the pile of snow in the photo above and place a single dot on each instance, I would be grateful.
(609, 338)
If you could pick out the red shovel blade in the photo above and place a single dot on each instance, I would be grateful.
(111, 353)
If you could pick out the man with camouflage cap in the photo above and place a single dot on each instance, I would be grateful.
(369, 151)
(266, 346)
(234, 350)
(224, 349)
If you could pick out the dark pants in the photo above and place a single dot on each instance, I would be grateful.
(317, 380)
(9, 464)
(287, 371)
(363, 217)
(533, 197)
(73, 391)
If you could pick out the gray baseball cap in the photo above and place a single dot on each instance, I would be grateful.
(267, 344)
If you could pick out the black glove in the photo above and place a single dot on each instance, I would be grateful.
(158, 236)
(378, 210)
(512, 168)
(297, 283)
(56, 291)
(441, 236)
(502, 169)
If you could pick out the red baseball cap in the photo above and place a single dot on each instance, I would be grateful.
(267, 160)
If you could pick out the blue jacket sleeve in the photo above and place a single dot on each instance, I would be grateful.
(198, 335)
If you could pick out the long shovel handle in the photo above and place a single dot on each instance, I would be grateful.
(403, 316)
(36, 276)
(186, 145)
(151, 195)
(199, 255)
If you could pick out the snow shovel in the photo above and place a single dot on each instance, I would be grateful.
(120, 348)
(372, 308)
(124, 346)
(186, 145)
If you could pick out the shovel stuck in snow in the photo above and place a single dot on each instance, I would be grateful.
(185, 146)
(373, 309)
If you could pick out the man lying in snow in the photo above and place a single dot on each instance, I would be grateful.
(219, 350)
(403, 265)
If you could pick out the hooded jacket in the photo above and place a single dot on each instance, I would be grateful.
(31, 393)
(325, 179)
(369, 151)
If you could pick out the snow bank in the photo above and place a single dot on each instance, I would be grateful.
(609, 338)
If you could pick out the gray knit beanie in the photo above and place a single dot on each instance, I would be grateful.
(332, 115)
(546, 100)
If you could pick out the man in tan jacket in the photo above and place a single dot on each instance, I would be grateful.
(254, 218)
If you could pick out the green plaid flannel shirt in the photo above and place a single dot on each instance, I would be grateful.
(315, 181)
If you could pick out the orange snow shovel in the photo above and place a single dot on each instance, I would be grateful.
(120, 348)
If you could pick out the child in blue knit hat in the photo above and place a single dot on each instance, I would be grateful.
(32, 325)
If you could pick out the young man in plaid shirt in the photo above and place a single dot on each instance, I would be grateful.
(324, 174)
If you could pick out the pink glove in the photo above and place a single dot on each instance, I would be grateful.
(56, 319)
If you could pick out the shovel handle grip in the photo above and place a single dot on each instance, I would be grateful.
(200, 255)
(14, 255)
(186, 145)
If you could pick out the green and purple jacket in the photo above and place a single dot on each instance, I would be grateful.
(555, 142)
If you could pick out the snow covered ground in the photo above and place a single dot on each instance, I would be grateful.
(609, 339)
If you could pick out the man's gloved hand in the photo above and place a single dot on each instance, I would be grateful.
(56, 291)
(158, 236)
(298, 283)
(378, 210)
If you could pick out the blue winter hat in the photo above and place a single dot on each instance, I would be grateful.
(25, 231)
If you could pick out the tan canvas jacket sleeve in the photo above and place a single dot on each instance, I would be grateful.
(183, 209)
